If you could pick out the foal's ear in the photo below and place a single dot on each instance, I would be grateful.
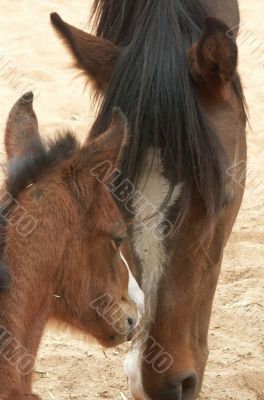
(213, 59)
(99, 158)
(22, 135)
(109, 147)
(96, 56)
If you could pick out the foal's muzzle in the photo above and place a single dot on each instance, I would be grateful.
(132, 323)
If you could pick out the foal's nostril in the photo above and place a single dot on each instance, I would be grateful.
(130, 321)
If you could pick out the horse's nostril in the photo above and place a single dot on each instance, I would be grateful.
(180, 388)
(130, 321)
(172, 391)
(189, 385)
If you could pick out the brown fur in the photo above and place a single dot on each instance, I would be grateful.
(187, 288)
(101, 57)
(22, 141)
(69, 259)
(213, 60)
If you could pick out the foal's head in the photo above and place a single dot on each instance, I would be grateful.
(63, 230)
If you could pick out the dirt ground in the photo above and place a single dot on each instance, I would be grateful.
(31, 57)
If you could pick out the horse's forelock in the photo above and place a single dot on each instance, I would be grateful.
(152, 85)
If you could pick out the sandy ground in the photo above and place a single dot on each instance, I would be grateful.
(31, 57)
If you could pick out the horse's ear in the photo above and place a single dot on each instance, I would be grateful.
(22, 135)
(109, 147)
(213, 59)
(96, 56)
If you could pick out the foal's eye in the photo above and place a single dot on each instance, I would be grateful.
(118, 242)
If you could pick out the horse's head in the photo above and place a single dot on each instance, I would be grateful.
(63, 225)
(193, 101)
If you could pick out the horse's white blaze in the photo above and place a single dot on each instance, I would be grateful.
(150, 248)
(134, 291)
(132, 363)
(151, 251)
(132, 368)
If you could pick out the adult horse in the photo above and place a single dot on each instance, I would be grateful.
(173, 71)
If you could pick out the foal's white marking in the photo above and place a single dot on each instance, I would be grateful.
(151, 251)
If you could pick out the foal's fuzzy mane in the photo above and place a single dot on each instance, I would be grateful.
(26, 170)
(152, 85)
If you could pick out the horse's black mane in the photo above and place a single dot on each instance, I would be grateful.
(152, 85)
(24, 171)
(116, 20)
